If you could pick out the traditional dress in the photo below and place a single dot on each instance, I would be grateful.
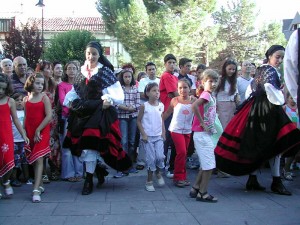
(93, 131)
(260, 130)
(6, 140)
(35, 114)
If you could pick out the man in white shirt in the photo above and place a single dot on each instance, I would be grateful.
(244, 80)
(150, 68)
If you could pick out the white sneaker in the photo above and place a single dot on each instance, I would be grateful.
(149, 186)
(160, 181)
(169, 175)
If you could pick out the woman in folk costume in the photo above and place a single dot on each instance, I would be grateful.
(260, 130)
(93, 131)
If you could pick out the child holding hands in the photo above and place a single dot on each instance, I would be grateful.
(8, 113)
(152, 130)
(203, 127)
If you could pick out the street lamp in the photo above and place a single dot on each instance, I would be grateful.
(41, 4)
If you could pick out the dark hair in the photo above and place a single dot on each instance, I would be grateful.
(183, 61)
(30, 81)
(232, 80)
(184, 80)
(148, 88)
(140, 74)
(56, 63)
(201, 67)
(272, 49)
(168, 57)
(102, 59)
(129, 66)
(5, 79)
(121, 77)
(39, 68)
(65, 77)
(149, 64)
(16, 95)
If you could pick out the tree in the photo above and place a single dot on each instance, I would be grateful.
(270, 34)
(68, 46)
(150, 29)
(25, 42)
(237, 29)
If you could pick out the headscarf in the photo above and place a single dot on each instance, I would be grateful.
(272, 49)
(102, 59)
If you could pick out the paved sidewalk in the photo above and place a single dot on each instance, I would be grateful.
(124, 201)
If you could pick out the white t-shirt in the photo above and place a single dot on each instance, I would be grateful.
(152, 121)
(17, 136)
(146, 80)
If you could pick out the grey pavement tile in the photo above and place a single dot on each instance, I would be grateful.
(84, 220)
(2, 220)
(38, 209)
(59, 196)
(138, 195)
(34, 220)
(169, 207)
(285, 201)
(10, 209)
(151, 219)
(277, 216)
(214, 217)
(82, 209)
(98, 195)
(132, 207)
(223, 204)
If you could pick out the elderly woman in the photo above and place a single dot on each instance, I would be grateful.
(94, 132)
(260, 130)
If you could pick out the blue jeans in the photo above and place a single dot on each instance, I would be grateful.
(128, 130)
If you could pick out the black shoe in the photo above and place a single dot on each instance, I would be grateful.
(88, 184)
(252, 184)
(278, 187)
(101, 174)
(15, 183)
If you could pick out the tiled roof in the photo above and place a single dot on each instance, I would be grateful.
(70, 23)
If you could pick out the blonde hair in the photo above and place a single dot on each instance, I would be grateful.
(209, 73)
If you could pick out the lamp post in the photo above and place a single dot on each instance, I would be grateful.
(41, 4)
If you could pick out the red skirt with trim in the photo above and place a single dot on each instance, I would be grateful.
(258, 132)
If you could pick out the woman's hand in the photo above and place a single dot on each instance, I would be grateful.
(106, 104)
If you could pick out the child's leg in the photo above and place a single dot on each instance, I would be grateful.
(181, 142)
(288, 163)
(25, 171)
(195, 188)
(38, 172)
(205, 177)
(6, 183)
(150, 176)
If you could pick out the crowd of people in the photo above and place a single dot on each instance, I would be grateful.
(71, 122)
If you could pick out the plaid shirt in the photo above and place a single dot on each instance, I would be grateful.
(132, 97)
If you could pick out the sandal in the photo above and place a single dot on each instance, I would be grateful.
(41, 189)
(36, 197)
(78, 179)
(205, 197)
(194, 192)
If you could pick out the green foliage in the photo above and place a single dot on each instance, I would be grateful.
(68, 46)
(237, 29)
(25, 42)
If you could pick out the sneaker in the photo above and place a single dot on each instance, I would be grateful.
(45, 179)
(133, 170)
(15, 183)
(288, 176)
(29, 181)
(222, 174)
(160, 181)
(120, 175)
(149, 186)
(170, 174)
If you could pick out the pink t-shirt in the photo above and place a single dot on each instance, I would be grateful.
(63, 89)
(168, 83)
(207, 112)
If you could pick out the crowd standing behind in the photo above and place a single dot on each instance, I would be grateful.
(81, 121)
